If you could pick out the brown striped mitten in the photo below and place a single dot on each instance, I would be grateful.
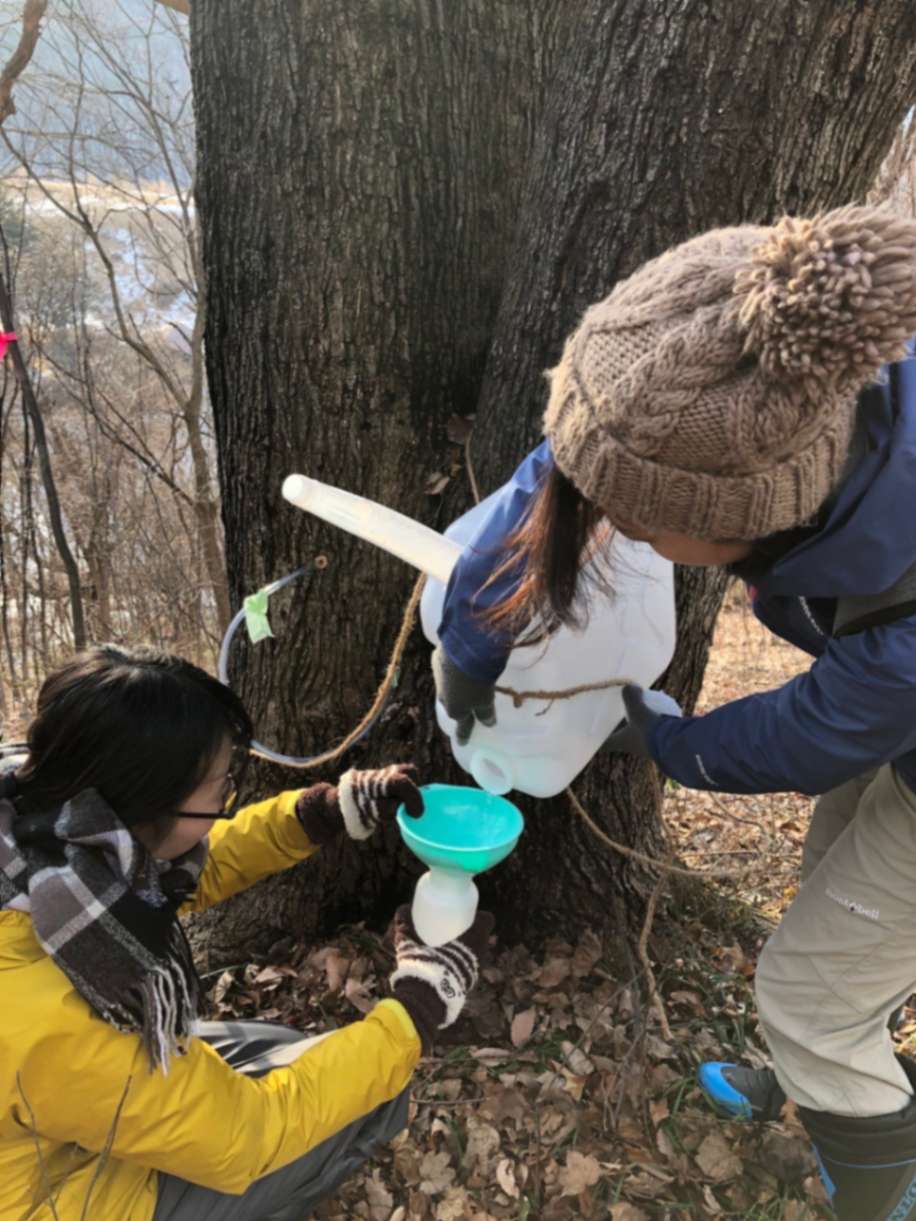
(433, 982)
(361, 801)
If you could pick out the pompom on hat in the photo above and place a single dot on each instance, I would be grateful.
(712, 392)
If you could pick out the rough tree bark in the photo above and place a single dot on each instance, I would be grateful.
(405, 206)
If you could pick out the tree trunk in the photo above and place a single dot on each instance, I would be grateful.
(404, 209)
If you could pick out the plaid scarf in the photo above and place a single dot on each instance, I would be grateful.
(105, 911)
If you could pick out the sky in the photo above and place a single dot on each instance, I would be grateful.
(147, 39)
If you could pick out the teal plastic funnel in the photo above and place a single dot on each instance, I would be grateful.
(462, 832)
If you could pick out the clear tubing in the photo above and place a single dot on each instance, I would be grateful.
(222, 669)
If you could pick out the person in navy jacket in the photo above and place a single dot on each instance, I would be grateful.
(748, 399)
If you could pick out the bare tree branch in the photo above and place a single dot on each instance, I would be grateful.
(30, 399)
(31, 28)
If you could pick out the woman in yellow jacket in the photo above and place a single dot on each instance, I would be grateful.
(119, 817)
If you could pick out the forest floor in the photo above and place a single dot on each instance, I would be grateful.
(563, 1094)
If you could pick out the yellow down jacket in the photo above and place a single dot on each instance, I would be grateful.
(71, 1085)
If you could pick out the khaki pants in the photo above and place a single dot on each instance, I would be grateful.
(844, 956)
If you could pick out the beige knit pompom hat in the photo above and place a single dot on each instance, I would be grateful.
(712, 392)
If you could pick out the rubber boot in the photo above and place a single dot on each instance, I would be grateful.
(868, 1166)
(737, 1092)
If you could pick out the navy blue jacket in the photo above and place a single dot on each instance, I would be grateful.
(855, 708)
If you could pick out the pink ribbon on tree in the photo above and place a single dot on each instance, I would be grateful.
(6, 338)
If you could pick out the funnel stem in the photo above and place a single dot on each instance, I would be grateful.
(444, 905)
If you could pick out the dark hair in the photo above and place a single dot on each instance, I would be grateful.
(139, 726)
(548, 551)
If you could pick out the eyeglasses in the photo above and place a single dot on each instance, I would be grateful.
(229, 808)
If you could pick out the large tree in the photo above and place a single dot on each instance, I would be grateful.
(405, 206)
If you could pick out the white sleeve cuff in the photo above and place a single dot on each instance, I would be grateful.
(354, 821)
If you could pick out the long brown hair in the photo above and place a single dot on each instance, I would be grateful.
(560, 533)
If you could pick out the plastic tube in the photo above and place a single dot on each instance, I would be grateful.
(409, 540)
(222, 669)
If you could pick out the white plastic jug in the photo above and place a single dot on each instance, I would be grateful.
(540, 746)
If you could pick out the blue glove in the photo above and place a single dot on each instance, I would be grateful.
(644, 710)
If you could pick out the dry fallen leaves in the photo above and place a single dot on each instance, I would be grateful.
(587, 954)
(787, 1156)
(581, 1171)
(358, 993)
(482, 1146)
(505, 1177)
(379, 1198)
(436, 1173)
(455, 1207)
(627, 1212)
(553, 972)
(716, 1159)
(336, 968)
(522, 1027)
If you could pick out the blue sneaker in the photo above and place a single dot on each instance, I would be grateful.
(737, 1092)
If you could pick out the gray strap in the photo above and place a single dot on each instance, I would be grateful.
(855, 613)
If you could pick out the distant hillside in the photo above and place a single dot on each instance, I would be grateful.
(144, 35)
